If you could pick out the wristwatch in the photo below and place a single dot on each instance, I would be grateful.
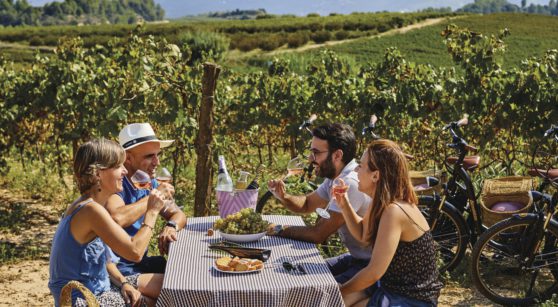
(172, 224)
(277, 229)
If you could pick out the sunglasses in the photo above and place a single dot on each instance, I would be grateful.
(294, 269)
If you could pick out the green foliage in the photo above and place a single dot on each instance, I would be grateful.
(83, 92)
(320, 36)
(75, 12)
(245, 35)
(240, 14)
(552, 302)
(498, 6)
(203, 46)
(489, 6)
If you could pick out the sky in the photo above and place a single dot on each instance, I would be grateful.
(178, 8)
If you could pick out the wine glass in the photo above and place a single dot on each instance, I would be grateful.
(141, 180)
(162, 175)
(294, 167)
(338, 187)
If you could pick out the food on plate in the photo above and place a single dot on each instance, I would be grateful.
(238, 264)
(246, 221)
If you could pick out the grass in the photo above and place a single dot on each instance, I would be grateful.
(244, 34)
(531, 35)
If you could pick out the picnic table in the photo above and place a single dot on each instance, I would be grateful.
(191, 279)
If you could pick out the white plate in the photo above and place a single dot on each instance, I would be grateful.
(236, 272)
(242, 238)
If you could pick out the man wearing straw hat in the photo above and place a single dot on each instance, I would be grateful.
(128, 207)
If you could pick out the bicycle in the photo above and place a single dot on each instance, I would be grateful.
(515, 262)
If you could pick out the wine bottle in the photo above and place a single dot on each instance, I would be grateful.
(254, 183)
(224, 180)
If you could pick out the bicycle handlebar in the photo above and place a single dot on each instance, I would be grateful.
(552, 131)
(371, 127)
(307, 123)
(459, 143)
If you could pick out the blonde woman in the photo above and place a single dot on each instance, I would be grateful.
(80, 243)
(402, 270)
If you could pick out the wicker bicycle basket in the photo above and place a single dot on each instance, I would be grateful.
(66, 294)
(419, 177)
(505, 189)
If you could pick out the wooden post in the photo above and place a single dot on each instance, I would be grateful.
(204, 140)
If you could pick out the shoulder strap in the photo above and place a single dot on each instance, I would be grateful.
(79, 207)
(410, 218)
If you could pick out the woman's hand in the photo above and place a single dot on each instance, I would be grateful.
(131, 295)
(155, 201)
(339, 193)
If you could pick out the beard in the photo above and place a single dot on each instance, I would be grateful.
(326, 169)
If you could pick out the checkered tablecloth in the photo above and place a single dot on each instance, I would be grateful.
(190, 279)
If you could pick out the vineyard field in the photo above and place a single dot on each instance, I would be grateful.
(531, 35)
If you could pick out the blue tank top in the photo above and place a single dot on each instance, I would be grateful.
(70, 260)
(131, 195)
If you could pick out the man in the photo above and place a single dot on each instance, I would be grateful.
(332, 151)
(128, 207)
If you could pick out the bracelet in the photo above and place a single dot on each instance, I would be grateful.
(123, 283)
(149, 226)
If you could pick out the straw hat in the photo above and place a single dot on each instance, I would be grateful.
(139, 133)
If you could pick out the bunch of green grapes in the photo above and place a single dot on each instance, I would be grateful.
(246, 221)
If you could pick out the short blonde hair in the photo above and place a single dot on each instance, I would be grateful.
(93, 156)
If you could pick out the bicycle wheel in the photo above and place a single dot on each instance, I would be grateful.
(268, 204)
(499, 268)
(450, 232)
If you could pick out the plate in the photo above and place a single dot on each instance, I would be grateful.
(242, 238)
(236, 272)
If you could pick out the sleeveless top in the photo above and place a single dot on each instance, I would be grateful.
(70, 260)
(413, 272)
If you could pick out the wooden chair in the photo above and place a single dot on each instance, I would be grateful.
(66, 295)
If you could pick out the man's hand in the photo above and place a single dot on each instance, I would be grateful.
(167, 236)
(277, 188)
(167, 190)
(131, 295)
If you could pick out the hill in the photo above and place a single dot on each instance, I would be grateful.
(76, 12)
(531, 35)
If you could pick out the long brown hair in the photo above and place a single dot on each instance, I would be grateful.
(394, 184)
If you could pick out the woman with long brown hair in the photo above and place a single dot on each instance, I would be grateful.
(402, 270)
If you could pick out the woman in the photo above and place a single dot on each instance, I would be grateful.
(403, 266)
(78, 249)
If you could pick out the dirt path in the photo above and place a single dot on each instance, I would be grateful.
(26, 230)
(418, 25)
(24, 283)
(21, 46)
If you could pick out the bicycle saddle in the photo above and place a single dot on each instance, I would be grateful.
(551, 174)
(470, 163)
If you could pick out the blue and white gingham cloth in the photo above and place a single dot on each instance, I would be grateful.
(190, 279)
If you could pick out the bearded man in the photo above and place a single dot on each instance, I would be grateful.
(332, 153)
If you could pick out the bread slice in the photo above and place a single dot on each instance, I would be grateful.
(223, 263)
(238, 264)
